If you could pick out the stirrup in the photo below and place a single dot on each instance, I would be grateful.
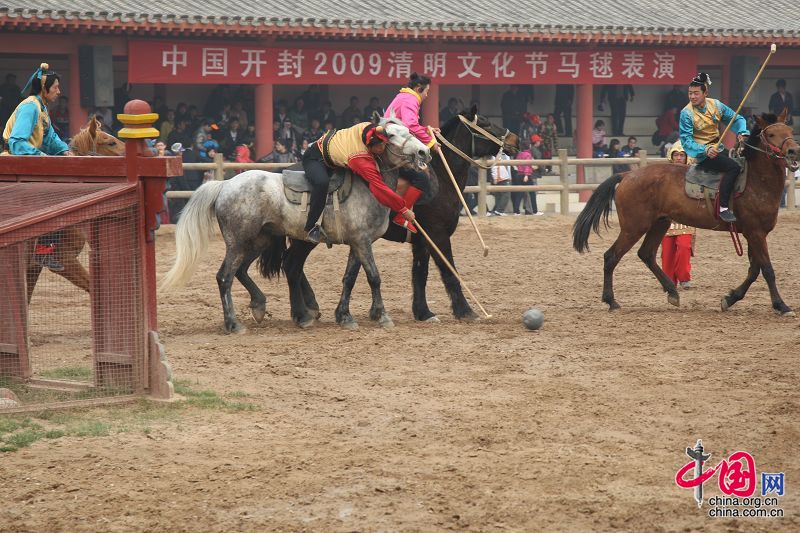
(314, 234)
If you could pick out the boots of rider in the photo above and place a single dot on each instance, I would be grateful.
(44, 254)
(410, 197)
(725, 191)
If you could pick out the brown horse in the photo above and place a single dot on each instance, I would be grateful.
(650, 198)
(91, 140)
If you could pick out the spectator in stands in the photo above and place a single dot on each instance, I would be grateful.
(288, 136)
(351, 115)
(303, 148)
(242, 154)
(299, 116)
(180, 135)
(181, 112)
(676, 98)
(448, 112)
(313, 99)
(780, 100)
(280, 154)
(281, 112)
(167, 125)
(614, 151)
(512, 106)
(313, 132)
(326, 115)
(531, 125)
(190, 181)
(565, 95)
(329, 126)
(373, 107)
(629, 148)
(161, 149)
(501, 175)
(202, 134)
(599, 139)
(232, 137)
(667, 124)
(523, 174)
(618, 97)
(59, 114)
(237, 110)
(549, 137)
(531, 206)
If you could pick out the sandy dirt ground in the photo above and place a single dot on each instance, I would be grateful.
(478, 426)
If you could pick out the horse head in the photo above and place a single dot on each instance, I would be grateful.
(92, 140)
(777, 139)
(408, 146)
(499, 139)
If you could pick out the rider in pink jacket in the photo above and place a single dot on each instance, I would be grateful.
(405, 106)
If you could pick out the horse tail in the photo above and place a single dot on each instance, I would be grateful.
(598, 207)
(192, 235)
(269, 264)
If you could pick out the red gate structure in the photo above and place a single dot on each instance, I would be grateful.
(114, 202)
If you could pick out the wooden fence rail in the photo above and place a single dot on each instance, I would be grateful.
(483, 189)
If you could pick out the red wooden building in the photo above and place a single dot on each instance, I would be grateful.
(479, 47)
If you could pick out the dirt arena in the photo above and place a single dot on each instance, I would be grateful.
(479, 426)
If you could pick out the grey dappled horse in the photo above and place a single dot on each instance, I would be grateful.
(255, 218)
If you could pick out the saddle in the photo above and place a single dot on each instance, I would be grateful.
(297, 189)
(703, 185)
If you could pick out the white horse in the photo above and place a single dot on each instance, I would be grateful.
(255, 218)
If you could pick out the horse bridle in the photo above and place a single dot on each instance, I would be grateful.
(472, 128)
(775, 152)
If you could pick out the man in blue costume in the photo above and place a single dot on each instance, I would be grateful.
(30, 132)
(700, 137)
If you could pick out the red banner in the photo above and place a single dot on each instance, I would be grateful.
(181, 62)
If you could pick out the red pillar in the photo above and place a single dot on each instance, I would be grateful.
(78, 117)
(264, 119)
(430, 107)
(583, 131)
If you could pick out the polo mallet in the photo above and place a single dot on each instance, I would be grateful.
(772, 49)
(453, 270)
(467, 210)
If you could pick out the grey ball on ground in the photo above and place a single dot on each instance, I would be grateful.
(533, 319)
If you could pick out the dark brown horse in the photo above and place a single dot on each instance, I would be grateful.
(650, 198)
(91, 140)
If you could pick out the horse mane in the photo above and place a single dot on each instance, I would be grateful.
(81, 142)
(448, 127)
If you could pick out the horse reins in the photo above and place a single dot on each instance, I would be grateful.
(481, 133)
(775, 152)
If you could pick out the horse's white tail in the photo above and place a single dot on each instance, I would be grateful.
(195, 228)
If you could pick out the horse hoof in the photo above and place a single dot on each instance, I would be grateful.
(724, 304)
(674, 299)
(386, 322)
(614, 306)
(352, 325)
(305, 324)
(258, 313)
(433, 319)
(237, 329)
(316, 313)
(789, 314)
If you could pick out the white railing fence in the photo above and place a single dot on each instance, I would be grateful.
(565, 186)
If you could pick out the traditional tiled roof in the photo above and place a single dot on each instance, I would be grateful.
(740, 22)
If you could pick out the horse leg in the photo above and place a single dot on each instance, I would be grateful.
(258, 302)
(461, 308)
(647, 253)
(419, 280)
(234, 258)
(738, 293)
(32, 276)
(310, 298)
(758, 244)
(293, 264)
(343, 316)
(363, 252)
(611, 259)
(74, 272)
